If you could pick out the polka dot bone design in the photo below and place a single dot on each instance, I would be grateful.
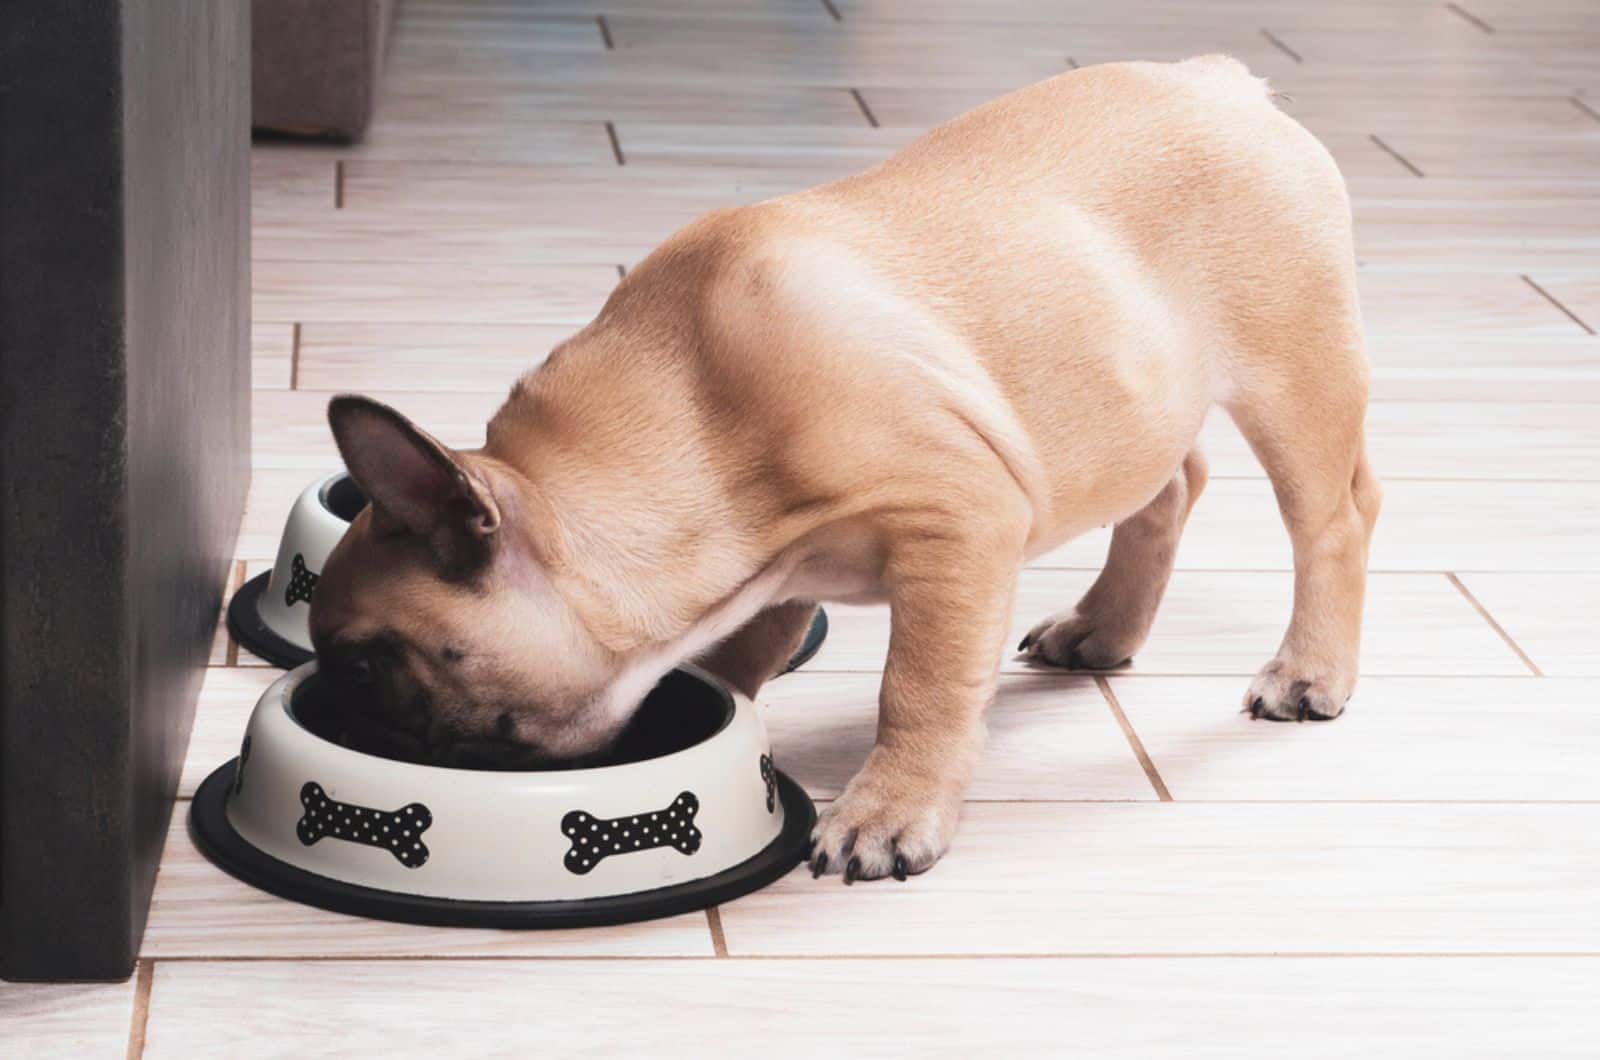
(769, 776)
(302, 582)
(595, 838)
(399, 832)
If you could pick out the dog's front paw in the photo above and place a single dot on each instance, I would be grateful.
(1286, 690)
(885, 823)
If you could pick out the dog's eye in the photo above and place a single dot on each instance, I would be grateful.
(361, 671)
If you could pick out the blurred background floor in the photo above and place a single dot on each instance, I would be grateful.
(1141, 870)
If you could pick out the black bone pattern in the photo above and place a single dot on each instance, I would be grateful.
(398, 831)
(302, 582)
(594, 838)
(770, 775)
(238, 769)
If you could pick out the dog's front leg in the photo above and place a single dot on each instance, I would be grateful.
(950, 603)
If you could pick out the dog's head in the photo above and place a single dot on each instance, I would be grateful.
(437, 612)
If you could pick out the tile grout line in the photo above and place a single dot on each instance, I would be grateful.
(605, 32)
(1548, 297)
(294, 356)
(833, 12)
(338, 184)
(719, 941)
(616, 144)
(141, 1007)
(1577, 101)
(866, 111)
(1494, 625)
(1282, 47)
(1134, 742)
(1396, 155)
(1470, 17)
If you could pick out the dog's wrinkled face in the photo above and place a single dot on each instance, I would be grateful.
(436, 619)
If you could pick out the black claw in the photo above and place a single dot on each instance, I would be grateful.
(1027, 640)
(852, 870)
(1256, 706)
(900, 870)
(1304, 708)
(819, 866)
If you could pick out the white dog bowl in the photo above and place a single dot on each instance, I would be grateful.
(689, 812)
(268, 615)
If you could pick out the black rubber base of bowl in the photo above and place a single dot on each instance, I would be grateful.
(815, 635)
(246, 627)
(244, 623)
(214, 835)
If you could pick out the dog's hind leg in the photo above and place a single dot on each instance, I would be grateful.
(1112, 620)
(1309, 437)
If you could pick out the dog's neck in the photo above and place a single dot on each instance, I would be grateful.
(629, 498)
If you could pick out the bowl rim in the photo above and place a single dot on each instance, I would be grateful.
(280, 696)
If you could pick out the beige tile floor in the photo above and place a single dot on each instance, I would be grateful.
(1142, 871)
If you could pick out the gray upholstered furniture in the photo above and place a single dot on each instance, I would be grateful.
(316, 64)
(124, 445)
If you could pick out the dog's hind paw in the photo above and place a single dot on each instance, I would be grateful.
(1284, 691)
(1078, 641)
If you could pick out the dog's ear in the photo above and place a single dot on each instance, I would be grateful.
(414, 482)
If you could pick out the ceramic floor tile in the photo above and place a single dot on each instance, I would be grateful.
(199, 910)
(1455, 739)
(510, 214)
(1231, 623)
(405, 292)
(775, 146)
(1310, 1008)
(1238, 878)
(438, 357)
(421, 101)
(1473, 153)
(271, 348)
(1552, 617)
(227, 696)
(1502, 225)
(290, 428)
(1424, 526)
(273, 491)
(1461, 440)
(1050, 737)
(1432, 302)
(65, 1021)
(1499, 369)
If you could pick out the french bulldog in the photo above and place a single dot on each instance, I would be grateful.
(898, 387)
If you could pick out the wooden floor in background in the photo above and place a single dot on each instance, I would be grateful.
(1142, 871)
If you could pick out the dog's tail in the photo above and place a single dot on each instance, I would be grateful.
(1227, 68)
